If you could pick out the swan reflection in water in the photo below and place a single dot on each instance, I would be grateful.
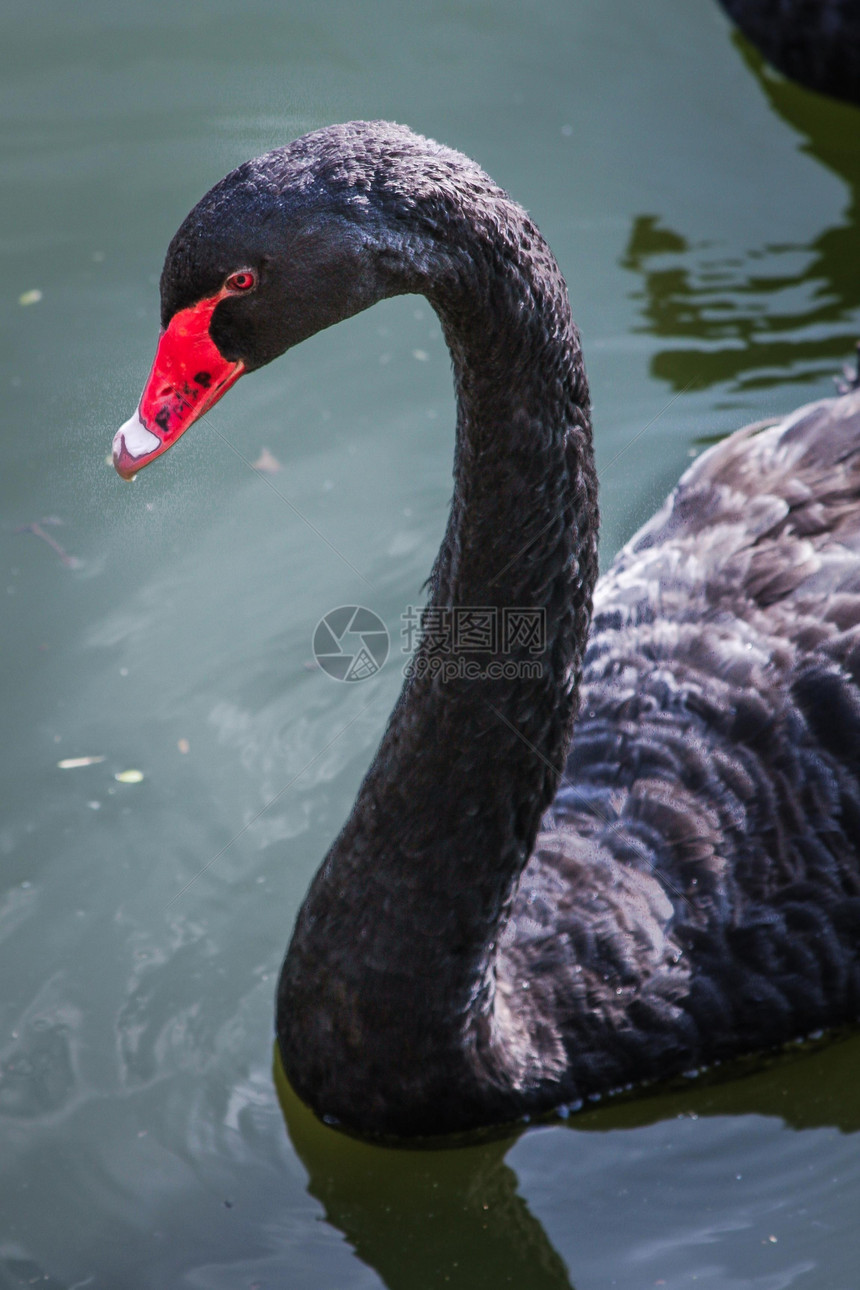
(777, 314)
(458, 1218)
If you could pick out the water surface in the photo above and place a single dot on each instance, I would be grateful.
(705, 214)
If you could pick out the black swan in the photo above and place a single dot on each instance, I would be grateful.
(815, 42)
(505, 926)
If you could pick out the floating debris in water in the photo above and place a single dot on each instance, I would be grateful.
(183, 745)
(72, 763)
(70, 561)
(267, 462)
(129, 776)
(30, 297)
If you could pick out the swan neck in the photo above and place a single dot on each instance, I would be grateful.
(414, 895)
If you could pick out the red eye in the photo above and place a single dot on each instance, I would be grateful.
(244, 280)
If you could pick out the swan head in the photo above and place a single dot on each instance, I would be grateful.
(286, 245)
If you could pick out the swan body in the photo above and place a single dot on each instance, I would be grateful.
(509, 921)
(815, 42)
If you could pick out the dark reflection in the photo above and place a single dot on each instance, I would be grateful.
(453, 1216)
(815, 1087)
(779, 313)
(425, 1218)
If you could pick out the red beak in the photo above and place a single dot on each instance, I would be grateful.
(188, 377)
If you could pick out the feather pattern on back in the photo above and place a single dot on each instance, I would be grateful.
(696, 881)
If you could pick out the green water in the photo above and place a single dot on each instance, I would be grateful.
(706, 218)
